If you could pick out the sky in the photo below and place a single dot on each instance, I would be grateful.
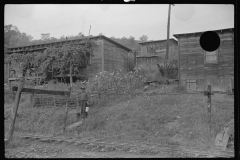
(118, 20)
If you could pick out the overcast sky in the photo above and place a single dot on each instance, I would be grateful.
(117, 20)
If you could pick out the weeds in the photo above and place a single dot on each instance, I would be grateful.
(131, 118)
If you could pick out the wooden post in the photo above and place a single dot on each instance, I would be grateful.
(208, 93)
(66, 109)
(102, 50)
(16, 104)
(71, 79)
(178, 64)
(209, 105)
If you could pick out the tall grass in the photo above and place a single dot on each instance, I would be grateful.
(181, 117)
(178, 119)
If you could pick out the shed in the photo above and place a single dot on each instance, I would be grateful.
(108, 56)
(199, 68)
(153, 52)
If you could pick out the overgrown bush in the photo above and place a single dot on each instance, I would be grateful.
(116, 82)
(129, 64)
(169, 70)
(151, 73)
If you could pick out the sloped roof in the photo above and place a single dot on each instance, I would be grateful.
(91, 37)
(157, 41)
(193, 33)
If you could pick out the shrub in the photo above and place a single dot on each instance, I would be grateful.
(151, 73)
(115, 82)
(169, 70)
(130, 65)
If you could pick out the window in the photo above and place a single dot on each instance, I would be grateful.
(211, 57)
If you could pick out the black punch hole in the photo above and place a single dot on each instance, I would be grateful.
(209, 41)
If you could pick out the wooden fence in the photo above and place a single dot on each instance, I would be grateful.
(40, 100)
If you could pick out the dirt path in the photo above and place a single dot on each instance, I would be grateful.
(37, 149)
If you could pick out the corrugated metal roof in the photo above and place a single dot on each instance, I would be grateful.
(157, 41)
(219, 30)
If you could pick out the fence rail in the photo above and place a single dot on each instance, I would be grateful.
(58, 99)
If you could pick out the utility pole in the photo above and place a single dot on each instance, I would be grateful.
(168, 28)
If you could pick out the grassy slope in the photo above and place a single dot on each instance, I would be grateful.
(152, 119)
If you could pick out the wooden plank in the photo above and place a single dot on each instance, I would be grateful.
(40, 91)
(201, 85)
(183, 63)
(226, 84)
(194, 41)
(199, 61)
(227, 62)
(226, 56)
(187, 39)
(183, 49)
(189, 44)
(227, 53)
(226, 35)
(227, 42)
(226, 47)
(227, 38)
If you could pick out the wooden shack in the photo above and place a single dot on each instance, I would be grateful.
(108, 56)
(199, 68)
(153, 52)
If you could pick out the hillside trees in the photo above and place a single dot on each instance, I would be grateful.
(143, 38)
(13, 37)
(20, 40)
(9, 31)
(128, 42)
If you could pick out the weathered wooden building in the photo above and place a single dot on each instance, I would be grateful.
(153, 52)
(108, 56)
(199, 68)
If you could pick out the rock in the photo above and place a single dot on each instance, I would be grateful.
(74, 125)
(145, 88)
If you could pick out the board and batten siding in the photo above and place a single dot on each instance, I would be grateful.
(95, 60)
(193, 67)
(159, 49)
(115, 58)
